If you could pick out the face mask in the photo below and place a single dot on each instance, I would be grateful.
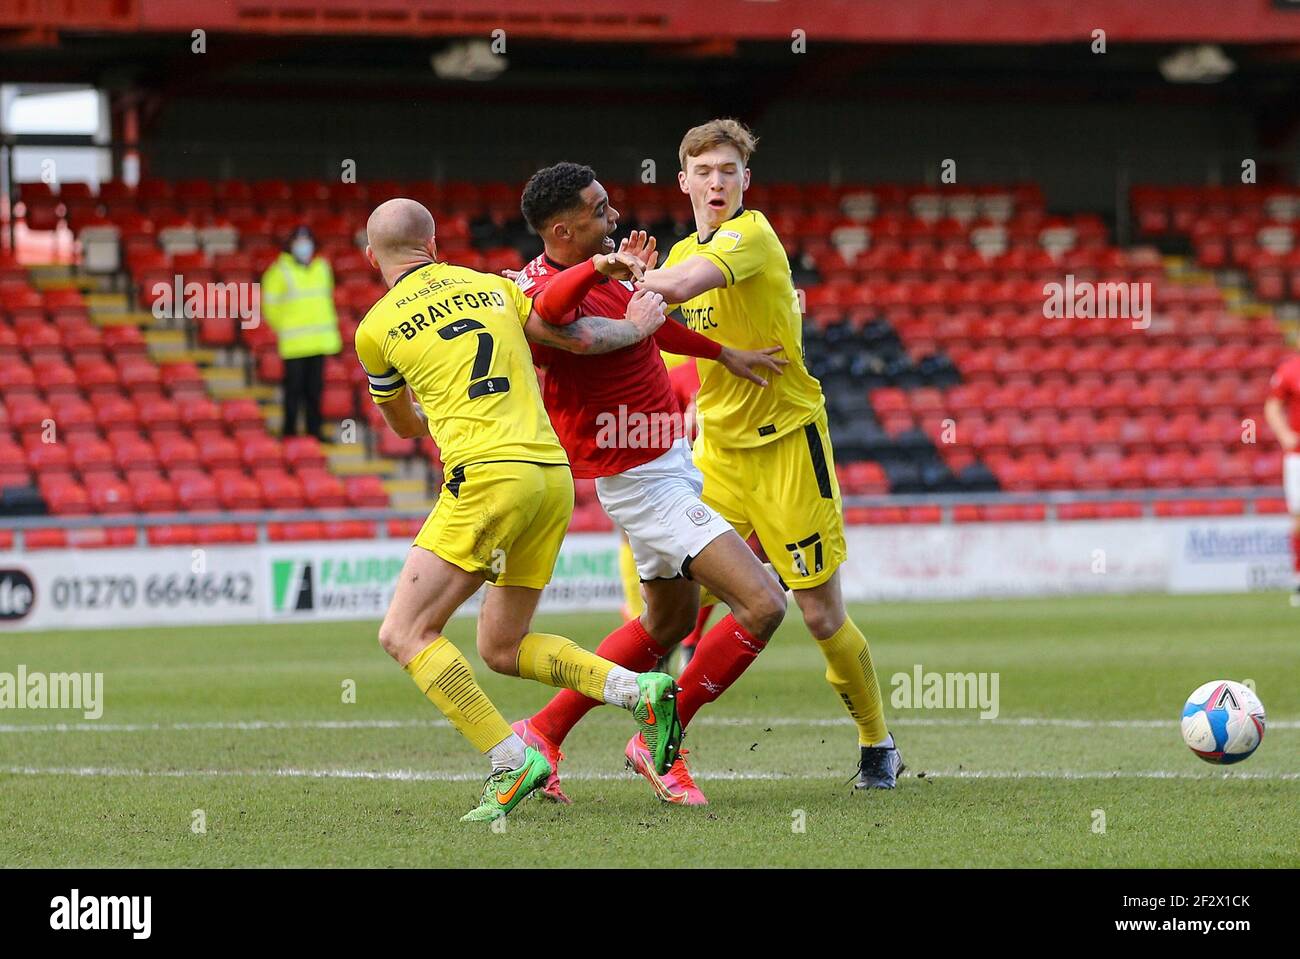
(302, 249)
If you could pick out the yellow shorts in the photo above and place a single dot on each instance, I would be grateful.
(786, 492)
(504, 521)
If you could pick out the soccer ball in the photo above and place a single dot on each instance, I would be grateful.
(1223, 721)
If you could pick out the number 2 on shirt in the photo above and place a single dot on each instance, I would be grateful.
(480, 383)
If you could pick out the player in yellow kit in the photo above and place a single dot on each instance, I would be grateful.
(458, 340)
(766, 453)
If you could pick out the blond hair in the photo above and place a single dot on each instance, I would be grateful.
(716, 133)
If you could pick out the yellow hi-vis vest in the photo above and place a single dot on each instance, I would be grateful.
(298, 303)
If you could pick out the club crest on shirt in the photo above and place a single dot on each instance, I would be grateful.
(727, 240)
(699, 515)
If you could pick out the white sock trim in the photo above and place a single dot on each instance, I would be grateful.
(507, 754)
(621, 688)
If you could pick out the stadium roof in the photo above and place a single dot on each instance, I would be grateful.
(713, 25)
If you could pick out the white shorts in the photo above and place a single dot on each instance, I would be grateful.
(1291, 482)
(658, 505)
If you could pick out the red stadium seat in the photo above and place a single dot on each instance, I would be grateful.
(239, 413)
(154, 495)
(323, 490)
(64, 496)
(260, 450)
(281, 490)
(238, 492)
(110, 495)
(218, 452)
(303, 451)
(198, 412)
(366, 491)
(91, 455)
(132, 451)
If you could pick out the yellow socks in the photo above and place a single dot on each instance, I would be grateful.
(556, 661)
(445, 676)
(850, 673)
(633, 603)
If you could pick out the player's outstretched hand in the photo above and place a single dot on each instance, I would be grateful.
(619, 266)
(742, 362)
(646, 312)
(641, 245)
(512, 275)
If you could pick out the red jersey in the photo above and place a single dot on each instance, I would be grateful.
(1285, 386)
(685, 380)
(612, 411)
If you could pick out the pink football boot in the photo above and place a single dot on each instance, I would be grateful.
(674, 786)
(531, 737)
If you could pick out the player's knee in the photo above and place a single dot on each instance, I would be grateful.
(500, 658)
(669, 627)
(392, 639)
(822, 618)
(763, 613)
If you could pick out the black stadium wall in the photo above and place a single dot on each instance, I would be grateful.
(1081, 154)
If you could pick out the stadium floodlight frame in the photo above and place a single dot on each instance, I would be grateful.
(947, 503)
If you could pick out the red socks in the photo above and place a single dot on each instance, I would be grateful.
(629, 646)
(1295, 551)
(721, 656)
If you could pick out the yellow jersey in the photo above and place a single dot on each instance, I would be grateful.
(756, 307)
(456, 338)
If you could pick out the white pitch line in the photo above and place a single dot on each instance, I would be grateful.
(255, 725)
(415, 775)
(251, 725)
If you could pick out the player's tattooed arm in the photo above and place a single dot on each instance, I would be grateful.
(600, 334)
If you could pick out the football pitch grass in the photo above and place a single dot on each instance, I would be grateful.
(248, 725)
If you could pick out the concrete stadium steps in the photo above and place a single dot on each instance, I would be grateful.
(351, 459)
(226, 376)
(365, 467)
(115, 305)
(165, 342)
(199, 357)
(63, 277)
(223, 379)
(261, 392)
(412, 494)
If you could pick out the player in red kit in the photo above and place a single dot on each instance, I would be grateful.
(619, 421)
(1282, 410)
(684, 376)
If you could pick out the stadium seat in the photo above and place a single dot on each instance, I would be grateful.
(238, 492)
(281, 490)
(110, 495)
(323, 490)
(366, 491)
(196, 492)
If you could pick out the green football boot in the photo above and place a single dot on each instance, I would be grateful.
(503, 791)
(656, 715)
